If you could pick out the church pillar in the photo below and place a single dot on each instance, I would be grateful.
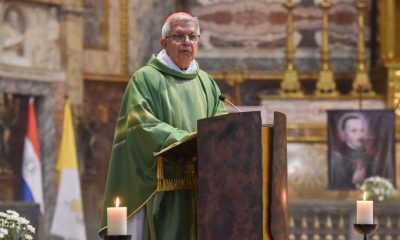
(73, 49)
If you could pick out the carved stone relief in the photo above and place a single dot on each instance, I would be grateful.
(30, 35)
(47, 54)
(13, 37)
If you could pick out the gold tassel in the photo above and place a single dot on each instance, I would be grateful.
(160, 168)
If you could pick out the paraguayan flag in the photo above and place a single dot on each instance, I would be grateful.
(32, 190)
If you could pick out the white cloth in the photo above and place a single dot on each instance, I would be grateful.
(164, 58)
(135, 224)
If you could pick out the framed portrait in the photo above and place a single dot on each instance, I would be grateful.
(361, 144)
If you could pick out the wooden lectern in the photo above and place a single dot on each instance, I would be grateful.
(241, 176)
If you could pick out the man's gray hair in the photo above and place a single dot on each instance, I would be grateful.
(167, 27)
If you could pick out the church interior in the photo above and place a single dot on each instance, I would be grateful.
(302, 58)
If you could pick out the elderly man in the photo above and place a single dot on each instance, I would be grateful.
(161, 106)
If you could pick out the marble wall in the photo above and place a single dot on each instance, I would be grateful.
(255, 33)
(96, 23)
(145, 23)
(252, 31)
(103, 51)
(95, 133)
(313, 111)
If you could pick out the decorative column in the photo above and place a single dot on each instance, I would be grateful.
(361, 83)
(389, 33)
(393, 87)
(389, 50)
(73, 49)
(124, 21)
(290, 85)
(326, 85)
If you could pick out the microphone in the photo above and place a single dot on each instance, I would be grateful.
(223, 98)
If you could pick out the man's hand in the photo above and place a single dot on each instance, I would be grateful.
(359, 173)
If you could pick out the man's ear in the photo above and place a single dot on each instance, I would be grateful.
(163, 42)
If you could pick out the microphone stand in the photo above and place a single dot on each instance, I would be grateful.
(223, 98)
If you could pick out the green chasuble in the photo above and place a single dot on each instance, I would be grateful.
(160, 107)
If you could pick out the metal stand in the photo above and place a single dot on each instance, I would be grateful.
(365, 229)
(117, 237)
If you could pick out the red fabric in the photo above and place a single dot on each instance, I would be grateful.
(32, 132)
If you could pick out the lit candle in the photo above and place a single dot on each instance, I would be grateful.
(116, 220)
(365, 211)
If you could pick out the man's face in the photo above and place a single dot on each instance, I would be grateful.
(354, 133)
(181, 52)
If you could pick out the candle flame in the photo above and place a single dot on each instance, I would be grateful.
(117, 202)
(365, 196)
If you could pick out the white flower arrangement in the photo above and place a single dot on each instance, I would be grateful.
(15, 227)
(378, 188)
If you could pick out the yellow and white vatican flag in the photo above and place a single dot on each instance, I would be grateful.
(68, 220)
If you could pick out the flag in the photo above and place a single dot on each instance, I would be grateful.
(32, 189)
(68, 220)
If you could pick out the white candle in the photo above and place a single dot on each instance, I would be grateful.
(365, 211)
(116, 220)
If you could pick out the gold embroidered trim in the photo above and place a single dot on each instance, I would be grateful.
(173, 184)
(189, 181)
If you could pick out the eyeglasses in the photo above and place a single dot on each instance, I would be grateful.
(181, 37)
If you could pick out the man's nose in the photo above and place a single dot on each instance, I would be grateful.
(186, 39)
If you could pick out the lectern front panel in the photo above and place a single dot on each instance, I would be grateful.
(230, 202)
